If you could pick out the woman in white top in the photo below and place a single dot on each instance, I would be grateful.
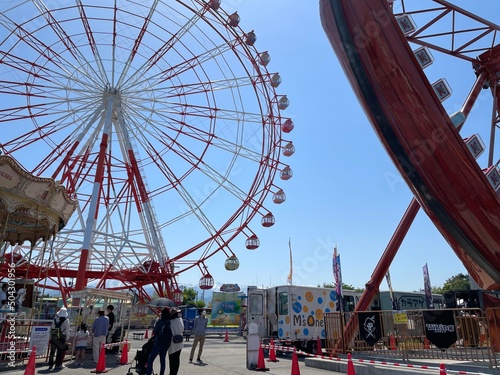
(174, 350)
(82, 339)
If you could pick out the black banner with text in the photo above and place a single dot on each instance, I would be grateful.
(440, 328)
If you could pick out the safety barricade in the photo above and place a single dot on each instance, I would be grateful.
(387, 364)
(402, 335)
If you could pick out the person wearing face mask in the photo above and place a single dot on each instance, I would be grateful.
(199, 330)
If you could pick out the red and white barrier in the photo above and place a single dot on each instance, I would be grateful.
(370, 361)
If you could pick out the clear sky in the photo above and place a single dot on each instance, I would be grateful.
(345, 190)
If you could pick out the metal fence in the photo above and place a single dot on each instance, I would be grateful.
(16, 337)
(403, 336)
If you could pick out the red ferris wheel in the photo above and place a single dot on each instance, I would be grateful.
(161, 118)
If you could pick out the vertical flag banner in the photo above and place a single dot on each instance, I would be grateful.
(289, 280)
(427, 288)
(337, 273)
(391, 292)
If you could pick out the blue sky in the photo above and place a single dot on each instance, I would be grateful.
(345, 191)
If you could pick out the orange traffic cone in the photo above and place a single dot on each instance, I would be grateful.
(272, 352)
(261, 366)
(350, 365)
(295, 364)
(319, 350)
(124, 356)
(442, 369)
(226, 339)
(30, 367)
(101, 363)
(426, 343)
(146, 336)
(392, 342)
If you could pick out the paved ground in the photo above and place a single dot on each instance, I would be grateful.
(221, 357)
(218, 357)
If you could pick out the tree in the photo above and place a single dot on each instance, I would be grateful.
(457, 282)
(189, 296)
(344, 287)
(200, 304)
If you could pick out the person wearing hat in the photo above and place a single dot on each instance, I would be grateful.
(58, 333)
(174, 350)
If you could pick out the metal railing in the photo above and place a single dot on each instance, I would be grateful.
(403, 336)
(15, 339)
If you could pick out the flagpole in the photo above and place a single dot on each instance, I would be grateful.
(337, 273)
(290, 275)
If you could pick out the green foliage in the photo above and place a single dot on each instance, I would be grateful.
(200, 304)
(457, 282)
(189, 297)
(344, 287)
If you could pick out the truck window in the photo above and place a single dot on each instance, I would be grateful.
(283, 303)
(256, 304)
(348, 303)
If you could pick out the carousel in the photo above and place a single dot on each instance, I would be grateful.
(32, 211)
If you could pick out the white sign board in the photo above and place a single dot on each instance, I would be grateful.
(40, 336)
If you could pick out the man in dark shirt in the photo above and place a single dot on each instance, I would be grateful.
(111, 317)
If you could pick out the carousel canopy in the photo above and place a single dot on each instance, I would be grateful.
(31, 208)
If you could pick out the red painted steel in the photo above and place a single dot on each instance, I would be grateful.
(417, 132)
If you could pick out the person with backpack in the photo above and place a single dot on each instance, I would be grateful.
(163, 337)
(174, 351)
(59, 331)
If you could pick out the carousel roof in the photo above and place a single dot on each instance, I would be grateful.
(31, 208)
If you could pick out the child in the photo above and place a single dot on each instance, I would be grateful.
(82, 337)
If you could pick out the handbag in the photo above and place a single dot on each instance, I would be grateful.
(178, 338)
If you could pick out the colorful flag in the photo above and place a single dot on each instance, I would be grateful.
(289, 280)
(427, 288)
(337, 273)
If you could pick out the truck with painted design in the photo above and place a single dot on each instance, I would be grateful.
(292, 314)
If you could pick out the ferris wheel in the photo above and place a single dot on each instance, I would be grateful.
(464, 37)
(160, 118)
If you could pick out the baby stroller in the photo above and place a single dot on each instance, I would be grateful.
(141, 357)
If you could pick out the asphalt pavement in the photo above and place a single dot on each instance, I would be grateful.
(218, 358)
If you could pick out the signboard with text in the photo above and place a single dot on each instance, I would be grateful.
(40, 336)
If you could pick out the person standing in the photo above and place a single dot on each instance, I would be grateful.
(199, 330)
(59, 331)
(3, 293)
(163, 337)
(111, 318)
(100, 331)
(82, 337)
(174, 351)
